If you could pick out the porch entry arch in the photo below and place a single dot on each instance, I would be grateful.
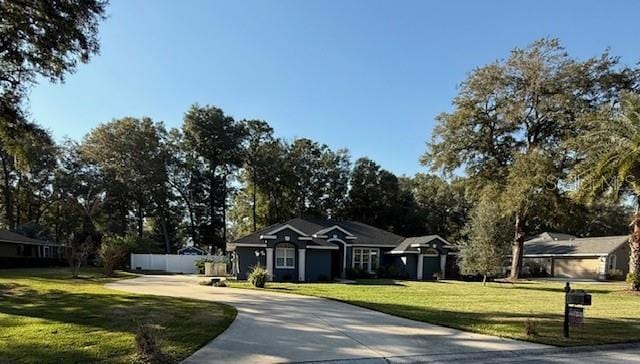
(344, 253)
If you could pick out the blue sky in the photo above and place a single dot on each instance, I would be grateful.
(366, 75)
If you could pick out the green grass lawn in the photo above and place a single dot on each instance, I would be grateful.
(47, 317)
(497, 309)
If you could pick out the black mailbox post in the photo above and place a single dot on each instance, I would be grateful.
(573, 297)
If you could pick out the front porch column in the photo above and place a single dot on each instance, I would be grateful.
(302, 254)
(420, 263)
(270, 262)
(443, 265)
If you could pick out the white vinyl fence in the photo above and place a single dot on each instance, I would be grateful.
(166, 262)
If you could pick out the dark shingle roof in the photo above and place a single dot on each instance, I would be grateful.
(550, 236)
(366, 234)
(577, 246)
(405, 245)
(7, 236)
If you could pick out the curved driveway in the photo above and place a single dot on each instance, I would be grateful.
(275, 327)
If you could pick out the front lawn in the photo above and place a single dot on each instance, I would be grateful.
(47, 317)
(497, 309)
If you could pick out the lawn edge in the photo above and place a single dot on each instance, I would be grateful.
(558, 345)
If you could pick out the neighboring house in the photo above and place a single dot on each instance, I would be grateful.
(567, 256)
(14, 245)
(191, 250)
(316, 250)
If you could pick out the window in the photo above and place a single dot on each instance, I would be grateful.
(285, 256)
(612, 262)
(365, 259)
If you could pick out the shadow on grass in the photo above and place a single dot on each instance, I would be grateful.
(378, 282)
(510, 324)
(540, 288)
(186, 324)
(42, 351)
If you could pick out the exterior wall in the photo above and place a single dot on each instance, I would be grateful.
(530, 265)
(318, 265)
(9, 250)
(407, 263)
(247, 259)
(622, 259)
(385, 259)
(337, 237)
(287, 236)
(286, 274)
(588, 268)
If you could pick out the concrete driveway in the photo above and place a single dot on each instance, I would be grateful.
(275, 327)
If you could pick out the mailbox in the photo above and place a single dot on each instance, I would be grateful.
(579, 298)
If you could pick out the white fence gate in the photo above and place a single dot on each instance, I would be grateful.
(166, 262)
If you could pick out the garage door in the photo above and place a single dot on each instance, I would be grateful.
(430, 266)
(576, 268)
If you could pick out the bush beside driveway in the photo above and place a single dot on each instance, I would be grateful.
(499, 309)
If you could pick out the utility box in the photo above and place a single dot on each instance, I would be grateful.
(215, 269)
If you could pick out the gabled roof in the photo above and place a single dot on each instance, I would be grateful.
(364, 234)
(551, 236)
(593, 246)
(7, 236)
(412, 244)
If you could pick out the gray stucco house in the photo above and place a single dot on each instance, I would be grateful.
(319, 250)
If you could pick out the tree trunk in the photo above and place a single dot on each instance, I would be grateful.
(165, 234)
(140, 220)
(123, 219)
(517, 248)
(254, 197)
(634, 261)
(212, 207)
(224, 212)
(7, 194)
(484, 279)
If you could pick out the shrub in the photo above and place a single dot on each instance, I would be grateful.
(530, 329)
(114, 251)
(323, 278)
(634, 281)
(199, 263)
(357, 273)
(258, 276)
(535, 269)
(615, 274)
(148, 344)
(391, 272)
(220, 284)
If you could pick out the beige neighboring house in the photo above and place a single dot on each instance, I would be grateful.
(567, 256)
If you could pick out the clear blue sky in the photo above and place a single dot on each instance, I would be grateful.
(366, 75)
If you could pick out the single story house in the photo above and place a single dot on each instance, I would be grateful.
(317, 250)
(14, 245)
(567, 256)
